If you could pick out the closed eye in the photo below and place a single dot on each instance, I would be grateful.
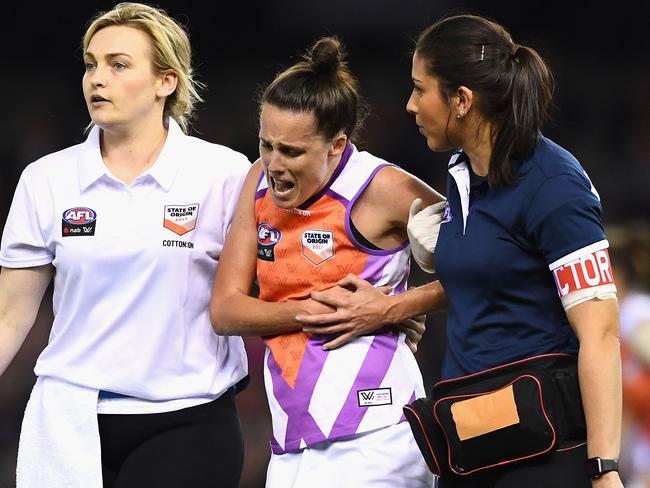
(292, 153)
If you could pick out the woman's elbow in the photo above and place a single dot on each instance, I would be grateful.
(219, 321)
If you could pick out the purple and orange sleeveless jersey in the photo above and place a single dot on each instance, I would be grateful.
(317, 395)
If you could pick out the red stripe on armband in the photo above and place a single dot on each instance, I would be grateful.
(582, 270)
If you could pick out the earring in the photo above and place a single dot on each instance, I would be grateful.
(460, 114)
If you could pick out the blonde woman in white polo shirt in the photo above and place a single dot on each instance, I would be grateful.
(134, 388)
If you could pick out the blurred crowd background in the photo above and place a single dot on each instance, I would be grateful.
(600, 55)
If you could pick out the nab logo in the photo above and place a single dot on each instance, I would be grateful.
(267, 237)
(78, 221)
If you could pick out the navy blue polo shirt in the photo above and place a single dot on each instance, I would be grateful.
(493, 258)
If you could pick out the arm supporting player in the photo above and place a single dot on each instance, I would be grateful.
(368, 308)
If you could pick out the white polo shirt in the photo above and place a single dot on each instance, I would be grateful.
(134, 269)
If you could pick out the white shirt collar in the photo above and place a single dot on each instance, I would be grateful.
(92, 168)
(460, 172)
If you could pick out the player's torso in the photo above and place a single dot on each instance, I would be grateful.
(317, 395)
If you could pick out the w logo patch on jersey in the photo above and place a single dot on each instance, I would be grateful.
(181, 219)
(318, 246)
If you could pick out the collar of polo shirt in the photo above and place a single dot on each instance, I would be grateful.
(164, 170)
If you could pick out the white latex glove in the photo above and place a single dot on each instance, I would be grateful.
(423, 229)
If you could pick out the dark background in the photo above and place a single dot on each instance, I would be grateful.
(600, 55)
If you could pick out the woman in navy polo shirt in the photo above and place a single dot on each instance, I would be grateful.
(522, 227)
(519, 248)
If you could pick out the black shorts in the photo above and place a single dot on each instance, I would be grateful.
(194, 447)
(561, 469)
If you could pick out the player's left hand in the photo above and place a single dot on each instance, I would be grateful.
(360, 309)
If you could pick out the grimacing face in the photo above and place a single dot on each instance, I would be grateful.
(297, 159)
(431, 110)
(119, 83)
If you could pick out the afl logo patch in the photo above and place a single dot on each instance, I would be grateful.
(318, 246)
(267, 237)
(78, 221)
(181, 218)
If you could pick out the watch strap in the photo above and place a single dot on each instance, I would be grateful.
(596, 467)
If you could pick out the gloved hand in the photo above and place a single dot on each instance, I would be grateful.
(423, 228)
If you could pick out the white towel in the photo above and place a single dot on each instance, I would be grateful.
(59, 441)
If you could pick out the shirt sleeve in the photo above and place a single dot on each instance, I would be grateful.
(23, 244)
(565, 220)
(564, 216)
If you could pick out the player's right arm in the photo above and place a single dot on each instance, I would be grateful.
(21, 292)
(232, 310)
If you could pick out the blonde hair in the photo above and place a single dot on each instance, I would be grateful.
(171, 52)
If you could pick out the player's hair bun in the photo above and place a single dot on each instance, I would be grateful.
(326, 55)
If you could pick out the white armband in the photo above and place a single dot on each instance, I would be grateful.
(583, 275)
(603, 292)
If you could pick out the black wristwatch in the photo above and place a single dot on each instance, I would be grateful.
(596, 467)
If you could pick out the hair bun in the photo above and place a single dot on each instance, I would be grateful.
(326, 55)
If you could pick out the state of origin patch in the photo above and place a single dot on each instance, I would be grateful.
(318, 246)
(181, 219)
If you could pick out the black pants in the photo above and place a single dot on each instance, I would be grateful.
(194, 447)
(562, 469)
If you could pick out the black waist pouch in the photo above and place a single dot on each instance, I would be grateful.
(502, 415)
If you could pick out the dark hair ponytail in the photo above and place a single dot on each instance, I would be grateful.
(514, 84)
(517, 134)
(321, 82)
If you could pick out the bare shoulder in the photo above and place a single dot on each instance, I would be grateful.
(394, 184)
(383, 208)
(254, 174)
